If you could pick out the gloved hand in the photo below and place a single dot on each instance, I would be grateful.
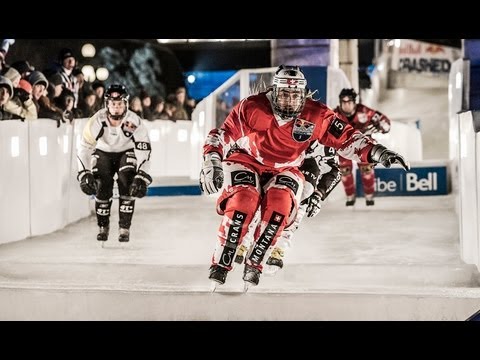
(22, 94)
(211, 175)
(88, 184)
(380, 154)
(314, 204)
(371, 129)
(140, 184)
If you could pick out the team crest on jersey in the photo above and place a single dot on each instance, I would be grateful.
(302, 130)
(128, 128)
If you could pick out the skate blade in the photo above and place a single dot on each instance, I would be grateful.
(246, 286)
(214, 285)
(270, 270)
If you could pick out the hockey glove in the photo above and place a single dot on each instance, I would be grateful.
(314, 204)
(211, 175)
(140, 184)
(380, 154)
(88, 184)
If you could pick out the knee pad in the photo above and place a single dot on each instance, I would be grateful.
(238, 179)
(345, 170)
(242, 198)
(366, 168)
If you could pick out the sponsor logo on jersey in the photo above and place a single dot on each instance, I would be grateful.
(265, 240)
(128, 128)
(243, 177)
(288, 182)
(302, 130)
(233, 238)
(337, 127)
(126, 208)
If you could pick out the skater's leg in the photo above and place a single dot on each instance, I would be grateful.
(103, 171)
(126, 173)
(367, 173)
(346, 169)
(282, 196)
(238, 203)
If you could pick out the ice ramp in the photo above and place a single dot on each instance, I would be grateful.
(396, 261)
(299, 292)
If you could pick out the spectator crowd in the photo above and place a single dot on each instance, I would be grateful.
(61, 93)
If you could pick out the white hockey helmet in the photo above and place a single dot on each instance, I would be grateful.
(290, 78)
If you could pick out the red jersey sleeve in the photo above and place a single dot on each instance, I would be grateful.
(350, 143)
(235, 126)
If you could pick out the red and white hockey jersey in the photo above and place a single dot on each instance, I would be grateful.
(252, 128)
(366, 119)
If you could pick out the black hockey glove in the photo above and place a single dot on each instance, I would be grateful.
(211, 175)
(140, 184)
(314, 204)
(380, 154)
(88, 184)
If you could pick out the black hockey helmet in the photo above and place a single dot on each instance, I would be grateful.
(348, 93)
(116, 92)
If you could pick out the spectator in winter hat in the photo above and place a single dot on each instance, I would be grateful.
(65, 103)
(99, 88)
(39, 83)
(67, 60)
(23, 67)
(146, 104)
(13, 75)
(22, 103)
(87, 106)
(6, 92)
(57, 84)
(25, 86)
(6, 83)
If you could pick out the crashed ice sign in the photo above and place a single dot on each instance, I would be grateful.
(425, 58)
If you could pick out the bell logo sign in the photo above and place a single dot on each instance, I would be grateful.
(414, 182)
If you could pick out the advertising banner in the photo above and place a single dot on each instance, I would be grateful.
(418, 181)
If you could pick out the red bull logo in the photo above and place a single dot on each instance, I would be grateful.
(302, 130)
(435, 49)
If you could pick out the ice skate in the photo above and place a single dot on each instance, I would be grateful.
(240, 254)
(369, 201)
(124, 235)
(251, 275)
(218, 275)
(274, 262)
(350, 200)
(102, 233)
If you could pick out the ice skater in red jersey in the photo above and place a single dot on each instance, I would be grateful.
(254, 157)
(368, 121)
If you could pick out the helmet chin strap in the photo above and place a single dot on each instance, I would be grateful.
(116, 117)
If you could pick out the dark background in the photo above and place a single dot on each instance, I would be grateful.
(176, 59)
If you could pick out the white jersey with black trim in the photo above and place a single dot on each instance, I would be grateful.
(322, 154)
(98, 133)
